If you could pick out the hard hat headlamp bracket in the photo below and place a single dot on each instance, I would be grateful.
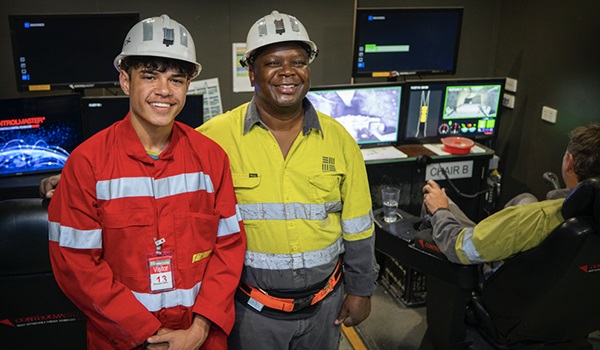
(168, 36)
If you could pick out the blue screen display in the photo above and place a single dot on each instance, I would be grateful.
(37, 134)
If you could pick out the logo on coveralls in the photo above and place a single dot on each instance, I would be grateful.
(328, 164)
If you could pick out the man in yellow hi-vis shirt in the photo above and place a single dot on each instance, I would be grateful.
(302, 189)
(516, 228)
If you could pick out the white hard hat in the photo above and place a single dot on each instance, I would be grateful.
(159, 37)
(276, 28)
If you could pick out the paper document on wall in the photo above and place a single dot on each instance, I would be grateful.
(241, 80)
(382, 153)
(211, 96)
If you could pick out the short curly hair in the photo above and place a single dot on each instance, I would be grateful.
(160, 64)
(584, 146)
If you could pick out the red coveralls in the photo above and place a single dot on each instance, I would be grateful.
(113, 200)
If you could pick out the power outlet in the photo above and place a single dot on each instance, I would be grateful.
(510, 85)
(549, 114)
(508, 101)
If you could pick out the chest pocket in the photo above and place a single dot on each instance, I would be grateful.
(196, 235)
(244, 185)
(246, 188)
(126, 238)
(325, 188)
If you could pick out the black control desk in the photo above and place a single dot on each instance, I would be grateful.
(449, 285)
(468, 173)
(23, 186)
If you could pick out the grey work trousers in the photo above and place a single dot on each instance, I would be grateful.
(254, 331)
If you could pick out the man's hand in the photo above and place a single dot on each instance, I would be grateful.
(189, 339)
(434, 197)
(355, 309)
(47, 186)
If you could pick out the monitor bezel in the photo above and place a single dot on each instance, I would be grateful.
(89, 99)
(377, 85)
(76, 103)
(405, 72)
(445, 83)
(75, 84)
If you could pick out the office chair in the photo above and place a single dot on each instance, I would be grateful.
(34, 313)
(547, 297)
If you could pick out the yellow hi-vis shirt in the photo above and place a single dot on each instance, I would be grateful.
(510, 231)
(300, 213)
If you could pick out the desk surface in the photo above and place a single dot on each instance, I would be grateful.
(415, 150)
(397, 240)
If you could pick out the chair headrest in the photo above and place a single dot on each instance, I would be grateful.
(584, 200)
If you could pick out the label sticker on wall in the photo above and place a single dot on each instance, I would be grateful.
(454, 170)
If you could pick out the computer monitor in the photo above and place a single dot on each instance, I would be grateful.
(370, 112)
(67, 51)
(438, 108)
(390, 42)
(103, 111)
(37, 134)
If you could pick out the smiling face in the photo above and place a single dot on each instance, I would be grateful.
(281, 76)
(155, 97)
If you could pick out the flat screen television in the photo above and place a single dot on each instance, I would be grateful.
(438, 108)
(102, 111)
(37, 134)
(369, 112)
(67, 51)
(390, 42)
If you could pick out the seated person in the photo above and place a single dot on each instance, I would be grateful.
(516, 228)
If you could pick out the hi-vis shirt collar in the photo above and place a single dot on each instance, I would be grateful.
(311, 120)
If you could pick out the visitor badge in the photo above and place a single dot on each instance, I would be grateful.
(160, 268)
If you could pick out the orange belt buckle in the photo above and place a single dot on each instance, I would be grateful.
(290, 305)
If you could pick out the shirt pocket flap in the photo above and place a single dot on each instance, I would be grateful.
(326, 183)
(128, 219)
(245, 180)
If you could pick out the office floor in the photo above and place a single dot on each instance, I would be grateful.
(393, 326)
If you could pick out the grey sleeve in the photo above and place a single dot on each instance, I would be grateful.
(446, 229)
(360, 267)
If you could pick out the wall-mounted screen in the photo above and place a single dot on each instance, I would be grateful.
(37, 134)
(370, 112)
(440, 108)
(67, 51)
(103, 111)
(406, 41)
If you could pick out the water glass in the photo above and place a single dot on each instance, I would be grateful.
(390, 197)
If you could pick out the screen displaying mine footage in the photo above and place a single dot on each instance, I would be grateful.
(369, 112)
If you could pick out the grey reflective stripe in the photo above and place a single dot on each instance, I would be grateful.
(357, 225)
(230, 225)
(315, 258)
(178, 297)
(288, 211)
(469, 248)
(183, 36)
(262, 27)
(72, 238)
(147, 30)
(294, 22)
(149, 187)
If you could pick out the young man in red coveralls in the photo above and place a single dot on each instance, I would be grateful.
(145, 235)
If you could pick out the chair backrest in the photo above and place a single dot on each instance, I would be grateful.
(34, 312)
(550, 293)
